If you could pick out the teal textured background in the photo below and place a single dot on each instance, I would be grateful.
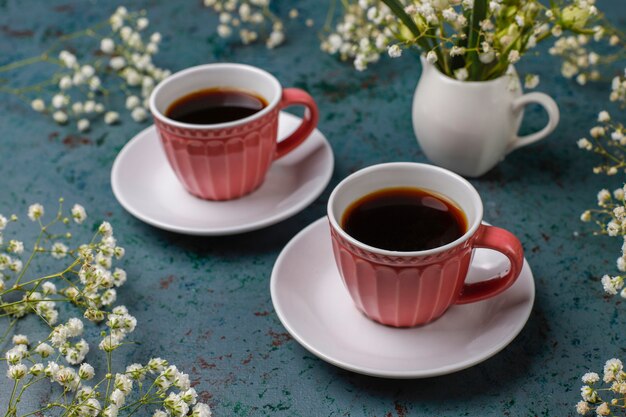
(204, 303)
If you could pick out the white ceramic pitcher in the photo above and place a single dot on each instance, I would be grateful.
(468, 127)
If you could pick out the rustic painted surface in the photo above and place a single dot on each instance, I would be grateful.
(204, 303)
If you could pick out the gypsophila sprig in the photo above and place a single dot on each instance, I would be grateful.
(79, 90)
(89, 280)
(249, 20)
(472, 40)
(608, 139)
(606, 400)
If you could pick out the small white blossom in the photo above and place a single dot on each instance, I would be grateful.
(59, 250)
(17, 372)
(35, 211)
(588, 393)
(394, 51)
(514, 56)
(590, 378)
(111, 117)
(44, 350)
(38, 105)
(612, 368)
(86, 372)
(107, 45)
(83, 125)
(584, 143)
(604, 116)
(117, 63)
(603, 410)
(60, 117)
(201, 410)
(603, 196)
(139, 114)
(78, 213)
(531, 81)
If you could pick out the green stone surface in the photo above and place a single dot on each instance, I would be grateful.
(204, 303)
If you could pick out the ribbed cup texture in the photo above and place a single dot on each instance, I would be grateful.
(221, 164)
(402, 291)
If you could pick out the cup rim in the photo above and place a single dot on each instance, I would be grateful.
(471, 229)
(156, 113)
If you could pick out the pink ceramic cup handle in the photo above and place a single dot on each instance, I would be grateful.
(506, 243)
(295, 96)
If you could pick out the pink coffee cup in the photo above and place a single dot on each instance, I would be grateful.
(225, 161)
(404, 289)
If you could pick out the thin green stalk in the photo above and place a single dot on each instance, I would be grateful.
(398, 10)
(8, 329)
(11, 410)
(479, 12)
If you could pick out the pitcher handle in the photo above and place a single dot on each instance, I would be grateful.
(553, 118)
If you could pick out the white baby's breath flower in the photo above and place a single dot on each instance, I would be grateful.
(68, 59)
(111, 117)
(132, 102)
(603, 410)
(109, 343)
(201, 410)
(597, 131)
(117, 63)
(38, 105)
(514, 56)
(59, 101)
(83, 125)
(603, 196)
(394, 51)
(35, 211)
(107, 45)
(78, 213)
(604, 116)
(87, 71)
(612, 368)
(590, 378)
(15, 246)
(60, 117)
(139, 114)
(36, 369)
(17, 372)
(613, 228)
(65, 83)
(588, 393)
(59, 250)
(224, 31)
(583, 143)
(48, 288)
(105, 229)
(44, 350)
(142, 23)
(111, 410)
(86, 372)
(531, 81)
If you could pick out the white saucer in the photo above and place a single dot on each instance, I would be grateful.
(314, 306)
(145, 185)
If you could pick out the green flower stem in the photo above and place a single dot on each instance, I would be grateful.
(8, 329)
(479, 12)
(110, 374)
(12, 411)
